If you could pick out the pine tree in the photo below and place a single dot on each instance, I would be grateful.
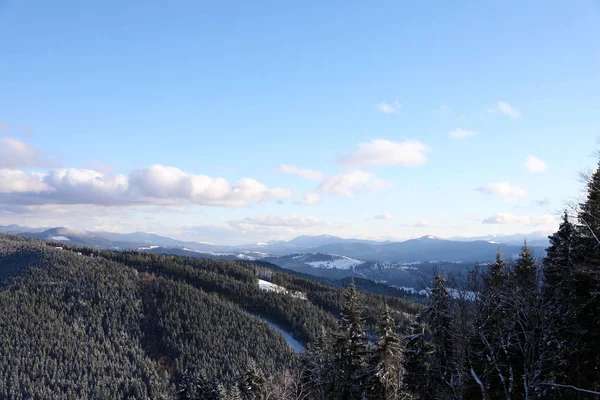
(525, 269)
(235, 393)
(386, 360)
(496, 275)
(589, 222)
(184, 389)
(351, 349)
(560, 343)
(439, 319)
(525, 307)
(205, 389)
(560, 256)
(491, 335)
(414, 363)
(586, 296)
(221, 392)
(253, 381)
(316, 367)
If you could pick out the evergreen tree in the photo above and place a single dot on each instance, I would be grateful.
(588, 218)
(351, 349)
(316, 368)
(414, 363)
(235, 393)
(204, 389)
(560, 346)
(253, 381)
(439, 319)
(491, 335)
(184, 388)
(496, 275)
(587, 287)
(386, 360)
(525, 269)
(560, 257)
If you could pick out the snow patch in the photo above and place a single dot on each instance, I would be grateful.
(342, 262)
(208, 252)
(271, 287)
(60, 238)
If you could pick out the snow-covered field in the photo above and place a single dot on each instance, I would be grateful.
(342, 262)
(208, 252)
(271, 287)
(60, 238)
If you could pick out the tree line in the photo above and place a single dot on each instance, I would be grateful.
(518, 329)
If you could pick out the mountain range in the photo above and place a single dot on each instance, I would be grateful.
(424, 249)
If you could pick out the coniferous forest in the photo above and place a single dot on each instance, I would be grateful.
(97, 324)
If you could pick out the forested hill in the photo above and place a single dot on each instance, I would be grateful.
(84, 323)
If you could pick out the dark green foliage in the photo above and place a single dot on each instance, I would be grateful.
(252, 383)
(414, 363)
(439, 319)
(71, 329)
(124, 324)
(385, 362)
(351, 349)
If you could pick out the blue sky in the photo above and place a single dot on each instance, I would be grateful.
(198, 119)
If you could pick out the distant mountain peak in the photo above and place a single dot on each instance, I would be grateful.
(430, 237)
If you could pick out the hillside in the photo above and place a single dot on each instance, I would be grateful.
(105, 324)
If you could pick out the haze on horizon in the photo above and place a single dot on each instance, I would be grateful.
(260, 122)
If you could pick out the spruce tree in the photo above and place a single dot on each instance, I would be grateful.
(235, 393)
(316, 367)
(253, 381)
(526, 309)
(491, 334)
(351, 349)
(588, 226)
(184, 388)
(386, 360)
(414, 363)
(525, 269)
(439, 319)
(586, 296)
(560, 255)
(561, 345)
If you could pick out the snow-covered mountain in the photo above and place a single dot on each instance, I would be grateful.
(424, 249)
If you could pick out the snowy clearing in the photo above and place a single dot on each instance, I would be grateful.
(341, 263)
(60, 238)
(271, 287)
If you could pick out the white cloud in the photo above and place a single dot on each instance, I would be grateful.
(529, 220)
(288, 221)
(424, 224)
(15, 181)
(388, 108)
(17, 154)
(260, 228)
(153, 185)
(504, 108)
(349, 183)
(160, 182)
(459, 133)
(312, 198)
(503, 190)
(305, 173)
(534, 165)
(385, 217)
(383, 152)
